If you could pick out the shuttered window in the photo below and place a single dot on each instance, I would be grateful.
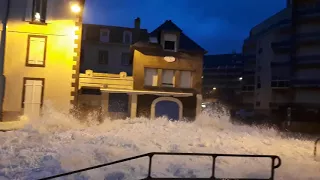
(33, 93)
(167, 78)
(150, 77)
(185, 79)
(36, 54)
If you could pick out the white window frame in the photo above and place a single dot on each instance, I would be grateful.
(124, 37)
(103, 38)
(170, 37)
(30, 54)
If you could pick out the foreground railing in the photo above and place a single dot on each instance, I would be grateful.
(315, 153)
(274, 164)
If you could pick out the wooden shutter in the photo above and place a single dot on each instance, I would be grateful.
(28, 10)
(37, 51)
(150, 77)
(168, 78)
(185, 79)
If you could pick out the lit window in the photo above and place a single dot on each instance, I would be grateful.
(150, 77)
(167, 78)
(103, 57)
(39, 10)
(104, 35)
(36, 53)
(127, 37)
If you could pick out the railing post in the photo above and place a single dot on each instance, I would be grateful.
(150, 166)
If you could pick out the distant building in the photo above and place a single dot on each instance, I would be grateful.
(41, 55)
(283, 52)
(222, 77)
(166, 80)
(106, 49)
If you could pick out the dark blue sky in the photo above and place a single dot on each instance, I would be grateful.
(219, 26)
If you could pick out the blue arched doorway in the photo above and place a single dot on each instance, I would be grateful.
(166, 108)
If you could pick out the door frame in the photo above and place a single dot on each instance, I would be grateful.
(24, 89)
(172, 99)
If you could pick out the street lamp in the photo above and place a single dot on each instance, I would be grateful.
(240, 78)
(214, 88)
(75, 7)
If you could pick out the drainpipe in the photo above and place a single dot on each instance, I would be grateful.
(2, 52)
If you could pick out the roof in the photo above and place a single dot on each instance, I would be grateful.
(185, 43)
(223, 60)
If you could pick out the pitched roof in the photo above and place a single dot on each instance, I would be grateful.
(186, 44)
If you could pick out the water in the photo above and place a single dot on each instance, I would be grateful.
(58, 143)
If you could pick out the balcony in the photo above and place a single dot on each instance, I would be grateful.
(248, 88)
(280, 84)
(306, 83)
(282, 46)
(309, 12)
(103, 80)
(308, 61)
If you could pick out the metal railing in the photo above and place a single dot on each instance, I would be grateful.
(315, 153)
(274, 165)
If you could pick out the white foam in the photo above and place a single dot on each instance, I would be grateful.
(58, 143)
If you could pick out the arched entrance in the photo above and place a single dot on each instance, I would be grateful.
(167, 106)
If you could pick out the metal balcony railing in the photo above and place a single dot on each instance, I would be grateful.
(276, 163)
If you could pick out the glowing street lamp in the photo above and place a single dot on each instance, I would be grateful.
(214, 88)
(75, 7)
(240, 78)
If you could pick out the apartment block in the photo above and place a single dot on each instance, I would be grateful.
(282, 54)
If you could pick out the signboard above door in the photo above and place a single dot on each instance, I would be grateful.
(169, 59)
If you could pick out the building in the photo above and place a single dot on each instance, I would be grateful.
(3, 24)
(166, 79)
(106, 49)
(41, 55)
(222, 77)
(282, 54)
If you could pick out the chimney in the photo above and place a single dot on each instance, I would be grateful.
(137, 23)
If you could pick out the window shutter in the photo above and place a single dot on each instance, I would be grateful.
(50, 12)
(28, 13)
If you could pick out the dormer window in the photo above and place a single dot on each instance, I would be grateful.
(104, 35)
(170, 42)
(127, 37)
(153, 39)
(39, 11)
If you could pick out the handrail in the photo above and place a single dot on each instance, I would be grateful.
(315, 148)
(274, 164)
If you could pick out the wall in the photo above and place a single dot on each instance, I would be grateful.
(307, 96)
(186, 62)
(58, 72)
(145, 101)
(91, 57)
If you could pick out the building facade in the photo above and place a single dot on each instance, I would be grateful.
(284, 51)
(222, 77)
(166, 79)
(106, 49)
(41, 55)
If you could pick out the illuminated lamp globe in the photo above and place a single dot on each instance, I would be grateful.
(75, 8)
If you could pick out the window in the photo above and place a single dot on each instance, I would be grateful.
(104, 35)
(125, 59)
(36, 51)
(185, 79)
(150, 77)
(258, 103)
(170, 41)
(103, 57)
(153, 39)
(32, 97)
(127, 37)
(167, 78)
(39, 10)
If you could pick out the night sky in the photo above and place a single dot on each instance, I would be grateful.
(219, 26)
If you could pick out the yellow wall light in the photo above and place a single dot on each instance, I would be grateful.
(75, 7)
